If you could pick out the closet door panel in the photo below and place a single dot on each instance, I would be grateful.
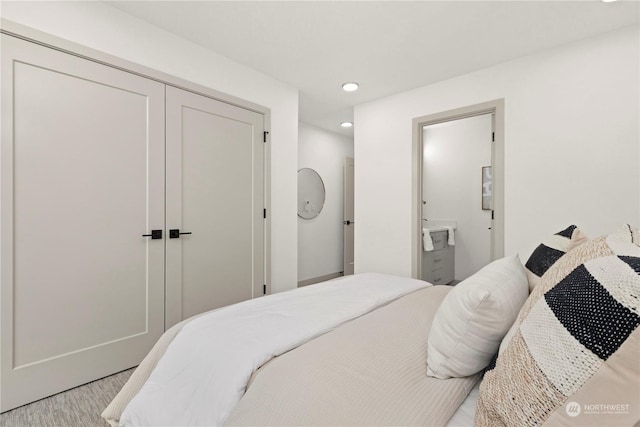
(214, 191)
(82, 180)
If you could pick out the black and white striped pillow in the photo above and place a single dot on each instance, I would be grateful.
(576, 342)
(550, 251)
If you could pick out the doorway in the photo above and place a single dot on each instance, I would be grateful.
(348, 224)
(456, 161)
(440, 191)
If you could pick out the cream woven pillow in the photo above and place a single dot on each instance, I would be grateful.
(577, 339)
(473, 318)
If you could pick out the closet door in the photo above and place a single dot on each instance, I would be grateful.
(215, 192)
(82, 176)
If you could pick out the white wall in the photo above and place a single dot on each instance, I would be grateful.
(572, 150)
(320, 249)
(104, 28)
(454, 154)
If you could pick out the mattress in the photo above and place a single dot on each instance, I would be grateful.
(370, 371)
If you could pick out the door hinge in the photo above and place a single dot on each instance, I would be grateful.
(493, 137)
(264, 136)
(492, 215)
(264, 213)
(264, 289)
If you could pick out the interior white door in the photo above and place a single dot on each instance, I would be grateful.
(348, 224)
(82, 172)
(215, 191)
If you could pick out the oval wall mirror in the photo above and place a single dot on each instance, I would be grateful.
(310, 193)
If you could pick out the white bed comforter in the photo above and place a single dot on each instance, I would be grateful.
(205, 370)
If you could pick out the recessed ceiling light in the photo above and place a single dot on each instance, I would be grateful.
(346, 124)
(350, 86)
(608, 1)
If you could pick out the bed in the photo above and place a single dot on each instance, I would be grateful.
(374, 349)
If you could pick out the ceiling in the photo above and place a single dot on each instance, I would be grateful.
(386, 46)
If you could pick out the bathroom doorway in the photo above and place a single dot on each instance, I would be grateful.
(458, 187)
(456, 176)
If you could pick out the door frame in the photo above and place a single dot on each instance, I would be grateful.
(37, 37)
(495, 107)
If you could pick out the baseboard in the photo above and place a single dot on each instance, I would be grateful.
(319, 279)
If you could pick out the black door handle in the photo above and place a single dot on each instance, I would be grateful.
(175, 233)
(155, 234)
(347, 222)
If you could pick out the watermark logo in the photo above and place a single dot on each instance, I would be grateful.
(606, 408)
(573, 409)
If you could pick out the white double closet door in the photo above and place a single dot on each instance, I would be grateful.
(92, 159)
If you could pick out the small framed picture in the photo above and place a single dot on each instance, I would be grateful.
(486, 188)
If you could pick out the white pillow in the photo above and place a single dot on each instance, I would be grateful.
(474, 317)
